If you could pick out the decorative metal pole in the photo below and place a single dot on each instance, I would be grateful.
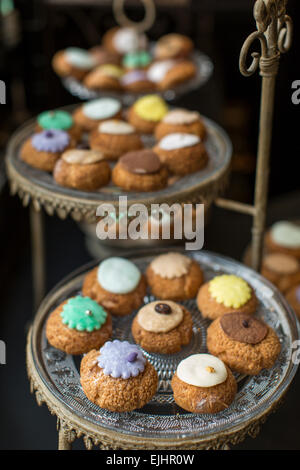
(274, 31)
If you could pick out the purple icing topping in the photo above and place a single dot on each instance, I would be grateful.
(52, 141)
(298, 294)
(121, 359)
(134, 76)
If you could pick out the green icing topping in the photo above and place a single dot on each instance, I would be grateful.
(137, 59)
(83, 314)
(55, 120)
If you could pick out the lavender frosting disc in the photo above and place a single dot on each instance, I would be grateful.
(120, 359)
(52, 141)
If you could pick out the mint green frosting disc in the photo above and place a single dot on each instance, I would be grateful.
(137, 59)
(55, 120)
(80, 58)
(103, 108)
(118, 275)
(83, 314)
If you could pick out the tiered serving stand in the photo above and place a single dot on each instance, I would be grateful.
(161, 425)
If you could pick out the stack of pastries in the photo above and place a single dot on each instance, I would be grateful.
(116, 375)
(101, 142)
(125, 62)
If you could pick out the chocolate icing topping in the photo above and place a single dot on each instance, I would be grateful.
(243, 328)
(142, 162)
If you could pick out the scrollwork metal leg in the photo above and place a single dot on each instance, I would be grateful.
(274, 33)
(37, 254)
(63, 441)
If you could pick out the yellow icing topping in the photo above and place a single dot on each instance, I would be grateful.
(151, 108)
(230, 290)
(111, 70)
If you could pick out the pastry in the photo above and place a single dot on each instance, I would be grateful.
(181, 121)
(182, 153)
(89, 115)
(85, 170)
(174, 276)
(203, 384)
(226, 293)
(104, 77)
(293, 297)
(78, 325)
(137, 81)
(118, 377)
(147, 112)
(282, 270)
(103, 56)
(140, 170)
(284, 237)
(136, 60)
(173, 46)
(162, 327)
(43, 149)
(245, 343)
(114, 138)
(182, 71)
(124, 40)
(74, 62)
(58, 119)
(116, 284)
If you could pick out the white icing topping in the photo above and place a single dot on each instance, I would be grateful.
(116, 127)
(157, 72)
(178, 141)
(128, 40)
(104, 108)
(156, 322)
(202, 370)
(286, 234)
(181, 116)
(118, 275)
(82, 157)
(171, 265)
(80, 58)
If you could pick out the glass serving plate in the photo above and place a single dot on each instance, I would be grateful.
(204, 71)
(161, 417)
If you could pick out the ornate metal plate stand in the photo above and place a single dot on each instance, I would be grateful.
(204, 71)
(161, 424)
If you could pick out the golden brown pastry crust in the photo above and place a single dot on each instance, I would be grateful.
(42, 160)
(164, 51)
(142, 125)
(180, 288)
(116, 394)
(185, 160)
(181, 72)
(87, 124)
(135, 182)
(164, 343)
(210, 308)
(204, 399)
(83, 177)
(96, 81)
(114, 146)
(164, 128)
(292, 300)
(117, 304)
(283, 282)
(71, 340)
(244, 358)
(65, 69)
(140, 86)
(274, 247)
(108, 42)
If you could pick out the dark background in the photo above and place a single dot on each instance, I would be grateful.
(29, 35)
